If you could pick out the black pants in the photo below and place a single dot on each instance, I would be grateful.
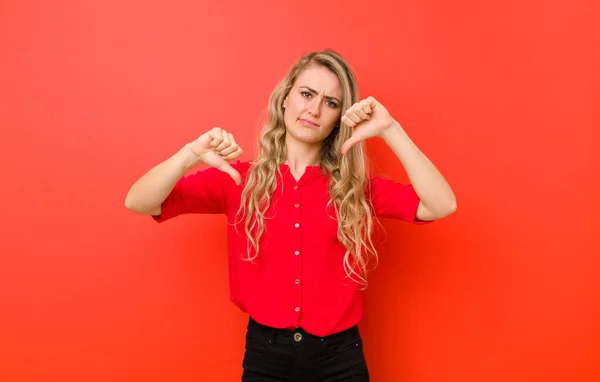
(296, 356)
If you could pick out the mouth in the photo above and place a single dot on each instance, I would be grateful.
(308, 122)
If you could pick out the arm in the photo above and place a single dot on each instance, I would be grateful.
(369, 118)
(150, 191)
(215, 148)
(437, 198)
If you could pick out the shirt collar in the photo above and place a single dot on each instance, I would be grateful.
(311, 173)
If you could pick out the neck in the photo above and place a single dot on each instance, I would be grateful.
(301, 156)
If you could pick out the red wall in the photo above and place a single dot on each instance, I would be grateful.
(503, 97)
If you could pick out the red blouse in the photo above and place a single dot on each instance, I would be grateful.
(298, 278)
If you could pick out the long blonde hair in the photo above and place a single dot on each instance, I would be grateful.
(348, 174)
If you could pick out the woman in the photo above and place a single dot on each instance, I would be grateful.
(300, 217)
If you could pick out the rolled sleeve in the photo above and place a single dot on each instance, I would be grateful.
(203, 192)
(394, 200)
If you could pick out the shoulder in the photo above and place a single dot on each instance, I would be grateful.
(382, 188)
(383, 182)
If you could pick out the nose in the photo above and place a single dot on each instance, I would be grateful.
(314, 106)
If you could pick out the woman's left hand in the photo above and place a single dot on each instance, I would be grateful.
(368, 118)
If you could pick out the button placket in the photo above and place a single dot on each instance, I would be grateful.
(298, 240)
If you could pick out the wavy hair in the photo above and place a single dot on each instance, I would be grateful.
(348, 174)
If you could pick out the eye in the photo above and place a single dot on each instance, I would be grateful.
(306, 94)
(332, 104)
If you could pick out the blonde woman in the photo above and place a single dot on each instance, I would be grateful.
(300, 217)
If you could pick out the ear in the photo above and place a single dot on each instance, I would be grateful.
(285, 102)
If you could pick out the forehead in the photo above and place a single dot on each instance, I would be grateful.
(320, 79)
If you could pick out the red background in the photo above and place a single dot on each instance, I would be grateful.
(502, 96)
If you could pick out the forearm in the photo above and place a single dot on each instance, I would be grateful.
(433, 190)
(149, 192)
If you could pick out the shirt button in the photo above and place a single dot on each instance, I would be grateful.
(297, 205)
(296, 225)
(297, 281)
(297, 309)
(295, 187)
(297, 253)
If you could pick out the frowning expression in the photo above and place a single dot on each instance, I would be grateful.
(313, 105)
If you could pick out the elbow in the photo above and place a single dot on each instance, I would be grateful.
(436, 211)
(129, 204)
(132, 205)
(445, 209)
(452, 206)
(137, 206)
(449, 207)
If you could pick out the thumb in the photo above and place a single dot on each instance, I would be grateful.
(233, 173)
(349, 143)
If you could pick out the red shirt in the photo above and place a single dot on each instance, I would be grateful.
(298, 278)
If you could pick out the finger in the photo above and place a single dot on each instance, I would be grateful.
(366, 105)
(225, 142)
(349, 143)
(234, 154)
(214, 132)
(371, 102)
(347, 121)
(353, 117)
(225, 167)
(362, 114)
(366, 108)
(233, 147)
(217, 137)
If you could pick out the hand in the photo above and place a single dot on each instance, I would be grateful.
(216, 148)
(368, 118)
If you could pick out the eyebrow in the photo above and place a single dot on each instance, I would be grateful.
(315, 92)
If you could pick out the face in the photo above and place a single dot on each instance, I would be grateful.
(313, 106)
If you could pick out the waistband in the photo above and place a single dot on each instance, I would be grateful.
(291, 335)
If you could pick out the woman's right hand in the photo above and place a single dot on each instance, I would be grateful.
(217, 148)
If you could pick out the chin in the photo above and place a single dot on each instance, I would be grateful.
(306, 139)
(309, 139)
